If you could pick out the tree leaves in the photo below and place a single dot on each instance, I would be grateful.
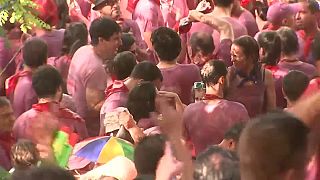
(22, 12)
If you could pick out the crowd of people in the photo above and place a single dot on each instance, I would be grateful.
(211, 89)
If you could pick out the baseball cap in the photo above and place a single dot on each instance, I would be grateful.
(279, 11)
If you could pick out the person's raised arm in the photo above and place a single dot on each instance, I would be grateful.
(171, 125)
(221, 25)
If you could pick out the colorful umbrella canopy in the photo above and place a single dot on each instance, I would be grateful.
(104, 149)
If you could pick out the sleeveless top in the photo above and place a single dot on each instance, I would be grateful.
(250, 91)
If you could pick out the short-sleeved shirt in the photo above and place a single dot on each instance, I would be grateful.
(86, 71)
(206, 124)
(248, 20)
(54, 40)
(148, 15)
(179, 79)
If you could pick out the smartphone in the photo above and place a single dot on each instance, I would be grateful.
(198, 85)
(199, 91)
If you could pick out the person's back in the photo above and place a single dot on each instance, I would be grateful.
(54, 39)
(289, 49)
(238, 28)
(24, 101)
(148, 16)
(19, 86)
(47, 83)
(212, 120)
(180, 79)
(176, 77)
(248, 20)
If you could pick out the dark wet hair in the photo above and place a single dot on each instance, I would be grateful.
(217, 163)
(141, 100)
(35, 52)
(167, 43)
(294, 84)
(103, 28)
(249, 47)
(212, 71)
(75, 36)
(271, 43)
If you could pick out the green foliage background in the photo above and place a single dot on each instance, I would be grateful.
(22, 12)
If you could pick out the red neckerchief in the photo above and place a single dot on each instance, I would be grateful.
(46, 107)
(117, 86)
(245, 3)
(6, 142)
(54, 107)
(307, 43)
(133, 3)
(272, 27)
(12, 81)
(272, 68)
(211, 97)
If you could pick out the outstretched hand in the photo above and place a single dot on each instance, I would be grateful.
(168, 165)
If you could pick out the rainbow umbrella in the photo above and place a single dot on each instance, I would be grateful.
(103, 149)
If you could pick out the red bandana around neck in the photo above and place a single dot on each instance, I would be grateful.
(307, 43)
(12, 81)
(211, 97)
(117, 86)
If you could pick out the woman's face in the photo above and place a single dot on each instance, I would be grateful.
(238, 58)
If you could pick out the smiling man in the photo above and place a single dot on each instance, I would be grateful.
(111, 9)
(87, 77)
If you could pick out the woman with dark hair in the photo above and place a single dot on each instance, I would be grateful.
(128, 43)
(63, 13)
(270, 52)
(143, 100)
(75, 36)
(249, 82)
(270, 48)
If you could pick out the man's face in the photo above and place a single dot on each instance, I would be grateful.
(111, 9)
(110, 47)
(197, 57)
(6, 118)
(304, 18)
